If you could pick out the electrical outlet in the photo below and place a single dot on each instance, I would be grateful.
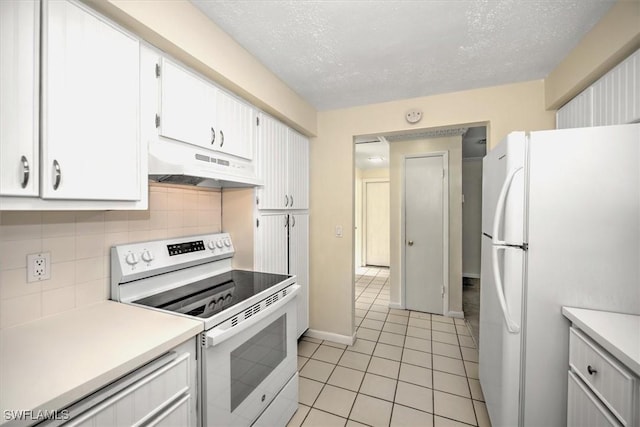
(38, 267)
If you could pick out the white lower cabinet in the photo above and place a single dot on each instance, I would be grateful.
(161, 393)
(602, 391)
(282, 247)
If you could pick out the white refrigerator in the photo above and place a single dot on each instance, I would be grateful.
(561, 226)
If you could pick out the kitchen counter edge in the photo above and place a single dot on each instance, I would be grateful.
(52, 362)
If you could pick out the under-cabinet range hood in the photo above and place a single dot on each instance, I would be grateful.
(185, 164)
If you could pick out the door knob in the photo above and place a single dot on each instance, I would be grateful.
(410, 242)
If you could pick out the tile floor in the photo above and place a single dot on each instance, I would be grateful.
(406, 369)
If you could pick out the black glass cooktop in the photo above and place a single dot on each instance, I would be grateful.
(207, 297)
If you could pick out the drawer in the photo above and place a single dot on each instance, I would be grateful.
(609, 380)
(584, 408)
(143, 400)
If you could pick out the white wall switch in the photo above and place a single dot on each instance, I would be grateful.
(39, 267)
(338, 231)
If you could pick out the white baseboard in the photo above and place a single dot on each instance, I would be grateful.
(396, 305)
(456, 314)
(471, 275)
(329, 336)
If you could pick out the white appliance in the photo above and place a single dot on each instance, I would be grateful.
(247, 354)
(561, 226)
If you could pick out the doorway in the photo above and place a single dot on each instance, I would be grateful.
(376, 222)
(426, 231)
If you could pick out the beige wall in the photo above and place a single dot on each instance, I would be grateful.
(182, 30)
(80, 242)
(615, 37)
(362, 174)
(502, 108)
(452, 145)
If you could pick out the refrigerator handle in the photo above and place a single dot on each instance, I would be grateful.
(512, 326)
(497, 219)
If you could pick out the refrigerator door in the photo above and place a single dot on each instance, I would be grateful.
(500, 349)
(503, 173)
(584, 248)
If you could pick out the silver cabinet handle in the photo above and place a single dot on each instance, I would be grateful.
(213, 136)
(221, 138)
(410, 242)
(293, 218)
(25, 171)
(291, 199)
(286, 200)
(57, 174)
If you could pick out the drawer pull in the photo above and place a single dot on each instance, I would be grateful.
(591, 370)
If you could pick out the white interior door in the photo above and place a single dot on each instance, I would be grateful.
(377, 223)
(424, 203)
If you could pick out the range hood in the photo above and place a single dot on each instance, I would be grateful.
(185, 164)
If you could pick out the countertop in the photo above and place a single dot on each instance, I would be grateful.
(617, 333)
(54, 361)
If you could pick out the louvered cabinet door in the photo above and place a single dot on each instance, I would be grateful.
(616, 95)
(272, 163)
(271, 254)
(299, 264)
(19, 103)
(298, 171)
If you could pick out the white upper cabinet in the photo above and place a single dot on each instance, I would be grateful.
(236, 126)
(283, 164)
(195, 111)
(91, 148)
(298, 170)
(613, 99)
(19, 97)
(187, 106)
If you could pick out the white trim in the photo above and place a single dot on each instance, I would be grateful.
(445, 226)
(363, 220)
(396, 305)
(471, 275)
(329, 336)
(456, 314)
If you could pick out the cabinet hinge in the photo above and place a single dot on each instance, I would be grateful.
(157, 70)
(257, 121)
(442, 173)
(442, 292)
(257, 222)
(157, 121)
(257, 200)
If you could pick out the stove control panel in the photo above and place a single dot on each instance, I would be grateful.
(146, 257)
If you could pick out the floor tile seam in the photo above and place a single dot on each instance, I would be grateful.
(453, 419)
(326, 412)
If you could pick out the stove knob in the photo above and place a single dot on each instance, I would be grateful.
(219, 244)
(131, 258)
(227, 242)
(147, 256)
(211, 245)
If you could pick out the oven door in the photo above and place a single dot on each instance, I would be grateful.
(248, 359)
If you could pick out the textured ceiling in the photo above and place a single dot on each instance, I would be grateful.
(343, 53)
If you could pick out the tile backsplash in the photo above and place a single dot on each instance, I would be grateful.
(80, 243)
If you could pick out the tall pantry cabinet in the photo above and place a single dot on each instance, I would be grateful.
(282, 220)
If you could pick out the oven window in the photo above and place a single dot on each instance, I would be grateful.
(255, 359)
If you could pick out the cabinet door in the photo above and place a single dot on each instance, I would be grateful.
(272, 161)
(299, 264)
(271, 244)
(91, 142)
(19, 82)
(236, 126)
(298, 171)
(187, 106)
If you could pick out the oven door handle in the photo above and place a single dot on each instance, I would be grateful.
(217, 335)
